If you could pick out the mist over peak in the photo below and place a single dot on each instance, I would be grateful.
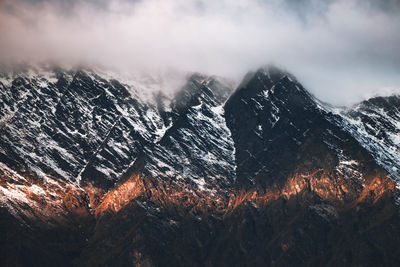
(341, 50)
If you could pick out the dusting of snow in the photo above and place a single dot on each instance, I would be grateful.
(346, 166)
(386, 151)
(204, 149)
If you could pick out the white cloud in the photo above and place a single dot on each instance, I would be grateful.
(341, 51)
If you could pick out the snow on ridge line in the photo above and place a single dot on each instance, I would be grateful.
(386, 155)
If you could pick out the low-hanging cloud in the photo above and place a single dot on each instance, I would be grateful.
(342, 50)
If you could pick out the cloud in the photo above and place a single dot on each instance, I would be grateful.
(341, 50)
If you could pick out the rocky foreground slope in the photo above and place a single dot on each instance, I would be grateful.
(94, 173)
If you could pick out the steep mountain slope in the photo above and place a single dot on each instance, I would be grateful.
(295, 154)
(375, 124)
(57, 127)
(95, 174)
(288, 133)
(198, 147)
(63, 123)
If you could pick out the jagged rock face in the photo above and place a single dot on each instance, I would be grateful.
(72, 125)
(277, 114)
(264, 176)
(197, 149)
(289, 134)
(375, 124)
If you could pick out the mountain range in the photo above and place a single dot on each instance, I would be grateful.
(99, 170)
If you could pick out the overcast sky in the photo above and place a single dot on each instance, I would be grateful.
(341, 50)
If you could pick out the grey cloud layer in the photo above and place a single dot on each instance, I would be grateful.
(341, 49)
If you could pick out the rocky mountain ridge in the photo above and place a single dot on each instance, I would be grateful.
(262, 175)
